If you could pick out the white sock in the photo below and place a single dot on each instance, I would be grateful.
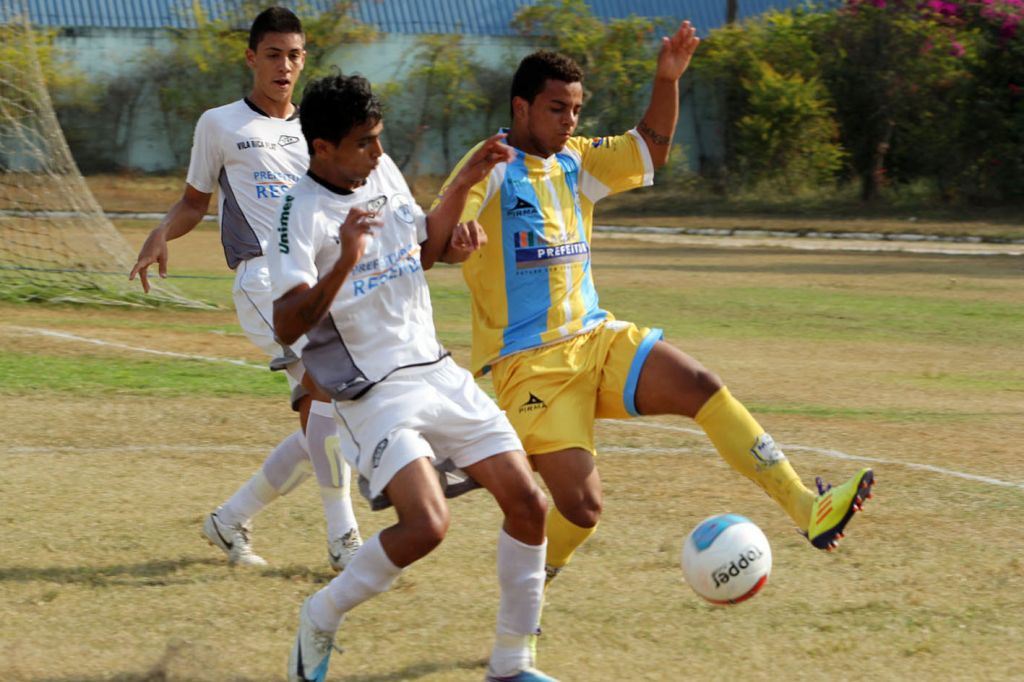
(281, 471)
(521, 577)
(332, 472)
(370, 573)
(288, 465)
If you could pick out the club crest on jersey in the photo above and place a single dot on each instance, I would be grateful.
(286, 140)
(402, 206)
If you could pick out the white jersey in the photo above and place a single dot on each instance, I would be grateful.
(381, 319)
(253, 158)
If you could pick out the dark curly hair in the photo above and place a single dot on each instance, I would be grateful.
(538, 67)
(274, 20)
(334, 105)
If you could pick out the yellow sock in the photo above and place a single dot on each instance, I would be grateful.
(748, 449)
(564, 537)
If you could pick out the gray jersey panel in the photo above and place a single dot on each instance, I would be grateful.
(236, 234)
(329, 362)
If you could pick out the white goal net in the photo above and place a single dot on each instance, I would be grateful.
(56, 244)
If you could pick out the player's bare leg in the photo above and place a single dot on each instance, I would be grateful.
(423, 521)
(575, 485)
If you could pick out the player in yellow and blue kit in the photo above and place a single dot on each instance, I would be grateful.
(559, 360)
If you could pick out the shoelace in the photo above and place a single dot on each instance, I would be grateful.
(822, 486)
(324, 641)
(351, 539)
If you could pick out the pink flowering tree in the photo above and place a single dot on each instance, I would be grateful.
(896, 78)
(916, 90)
(992, 137)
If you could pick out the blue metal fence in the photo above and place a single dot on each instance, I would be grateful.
(468, 17)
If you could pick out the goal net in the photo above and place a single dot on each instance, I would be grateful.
(56, 244)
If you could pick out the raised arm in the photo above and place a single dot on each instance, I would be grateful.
(658, 124)
(301, 307)
(443, 218)
(179, 221)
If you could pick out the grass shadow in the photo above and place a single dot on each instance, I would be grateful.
(157, 572)
(418, 670)
(160, 673)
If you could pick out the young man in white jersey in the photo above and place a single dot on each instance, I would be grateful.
(558, 360)
(252, 150)
(347, 272)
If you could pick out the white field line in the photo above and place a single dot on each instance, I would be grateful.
(856, 242)
(119, 449)
(825, 452)
(138, 349)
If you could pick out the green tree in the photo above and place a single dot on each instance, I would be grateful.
(205, 66)
(990, 142)
(447, 98)
(777, 120)
(885, 78)
(36, 74)
(786, 135)
(617, 57)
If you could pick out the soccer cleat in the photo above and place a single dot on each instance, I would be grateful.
(233, 541)
(312, 650)
(342, 550)
(524, 675)
(834, 507)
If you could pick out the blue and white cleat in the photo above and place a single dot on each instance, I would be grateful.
(524, 675)
(312, 651)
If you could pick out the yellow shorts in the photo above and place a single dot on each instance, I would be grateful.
(553, 394)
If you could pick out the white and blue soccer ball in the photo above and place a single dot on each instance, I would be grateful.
(726, 559)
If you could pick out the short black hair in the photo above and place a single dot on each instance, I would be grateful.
(334, 105)
(538, 67)
(274, 20)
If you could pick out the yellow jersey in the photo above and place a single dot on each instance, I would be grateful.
(531, 285)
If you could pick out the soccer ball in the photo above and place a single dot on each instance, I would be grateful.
(726, 559)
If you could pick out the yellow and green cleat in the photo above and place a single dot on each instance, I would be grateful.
(834, 507)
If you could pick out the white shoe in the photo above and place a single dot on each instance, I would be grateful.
(233, 541)
(340, 551)
(311, 652)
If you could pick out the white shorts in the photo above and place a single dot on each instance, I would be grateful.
(437, 412)
(254, 304)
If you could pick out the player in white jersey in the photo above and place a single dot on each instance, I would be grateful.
(348, 272)
(252, 150)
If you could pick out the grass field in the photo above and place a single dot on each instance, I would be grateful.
(912, 363)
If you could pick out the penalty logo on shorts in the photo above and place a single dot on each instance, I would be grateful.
(534, 403)
(378, 452)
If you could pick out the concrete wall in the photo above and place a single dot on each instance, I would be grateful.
(136, 135)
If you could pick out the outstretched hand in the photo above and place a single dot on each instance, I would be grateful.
(488, 155)
(676, 52)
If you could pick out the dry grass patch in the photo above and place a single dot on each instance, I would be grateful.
(103, 574)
